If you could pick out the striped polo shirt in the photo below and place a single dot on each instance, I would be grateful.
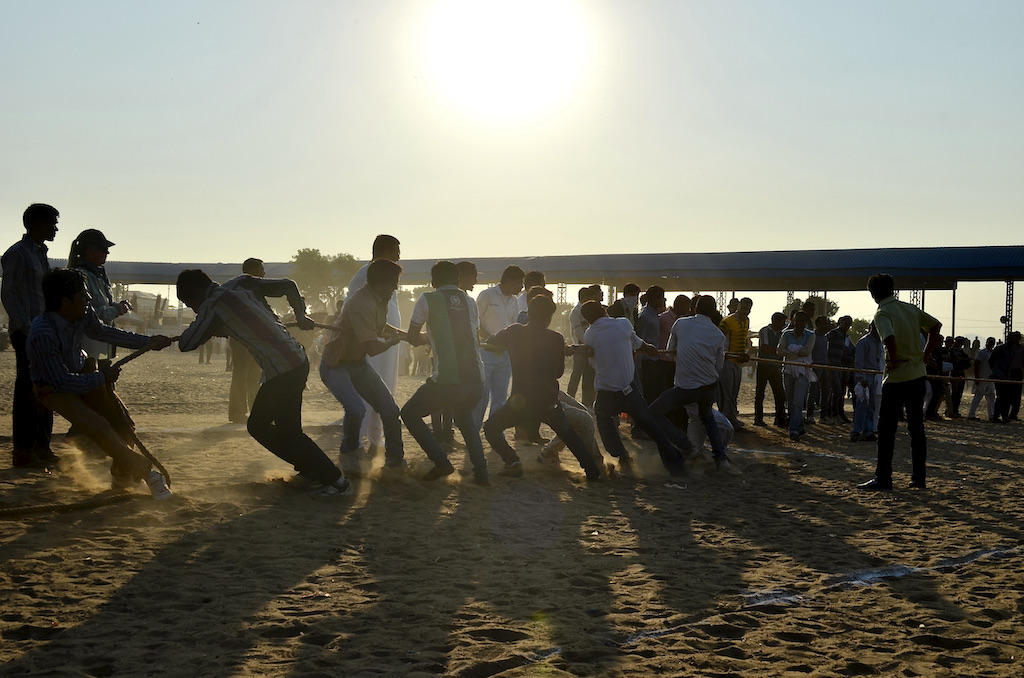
(236, 309)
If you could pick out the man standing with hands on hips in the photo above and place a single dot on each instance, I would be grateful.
(900, 326)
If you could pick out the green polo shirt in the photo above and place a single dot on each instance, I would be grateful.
(905, 322)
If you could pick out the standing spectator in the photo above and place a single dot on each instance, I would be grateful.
(868, 359)
(735, 327)
(899, 327)
(648, 328)
(796, 346)
(1006, 362)
(89, 254)
(838, 346)
(245, 373)
(386, 363)
(819, 391)
(983, 389)
(769, 374)
(627, 306)
(960, 362)
(582, 370)
(21, 291)
(498, 308)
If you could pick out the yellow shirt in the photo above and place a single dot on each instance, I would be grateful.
(736, 330)
(905, 323)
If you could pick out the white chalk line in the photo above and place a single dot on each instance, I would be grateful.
(788, 595)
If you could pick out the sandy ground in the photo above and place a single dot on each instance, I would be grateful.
(782, 570)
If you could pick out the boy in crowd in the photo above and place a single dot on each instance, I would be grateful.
(236, 309)
(54, 347)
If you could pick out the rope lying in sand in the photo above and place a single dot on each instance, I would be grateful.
(11, 512)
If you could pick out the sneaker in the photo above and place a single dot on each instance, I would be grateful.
(158, 485)
(854, 437)
(351, 464)
(339, 488)
(867, 438)
(513, 470)
(439, 471)
(394, 471)
(723, 465)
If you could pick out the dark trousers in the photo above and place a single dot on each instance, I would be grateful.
(582, 374)
(32, 423)
(462, 399)
(1008, 398)
(906, 396)
(676, 399)
(769, 375)
(938, 391)
(513, 414)
(275, 421)
(652, 377)
(607, 407)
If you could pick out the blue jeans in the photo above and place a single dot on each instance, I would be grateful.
(864, 412)
(607, 407)
(497, 375)
(351, 384)
(676, 399)
(460, 399)
(796, 391)
(729, 389)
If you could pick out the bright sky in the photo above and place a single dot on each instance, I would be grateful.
(216, 130)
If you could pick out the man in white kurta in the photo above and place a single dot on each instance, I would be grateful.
(386, 363)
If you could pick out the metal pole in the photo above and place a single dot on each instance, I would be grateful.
(952, 323)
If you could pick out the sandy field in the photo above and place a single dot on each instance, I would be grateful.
(784, 569)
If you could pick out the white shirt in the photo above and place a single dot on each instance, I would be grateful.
(577, 324)
(700, 351)
(613, 341)
(497, 311)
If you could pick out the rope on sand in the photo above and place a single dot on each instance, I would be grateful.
(11, 512)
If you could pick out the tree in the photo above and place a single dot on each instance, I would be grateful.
(322, 278)
(822, 306)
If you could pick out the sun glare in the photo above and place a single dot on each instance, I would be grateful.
(507, 59)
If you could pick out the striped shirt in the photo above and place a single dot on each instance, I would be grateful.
(55, 354)
(21, 290)
(452, 322)
(236, 309)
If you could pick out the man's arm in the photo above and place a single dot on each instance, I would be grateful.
(94, 329)
(44, 354)
(283, 287)
(201, 329)
(15, 275)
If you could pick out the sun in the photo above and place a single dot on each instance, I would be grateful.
(507, 60)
